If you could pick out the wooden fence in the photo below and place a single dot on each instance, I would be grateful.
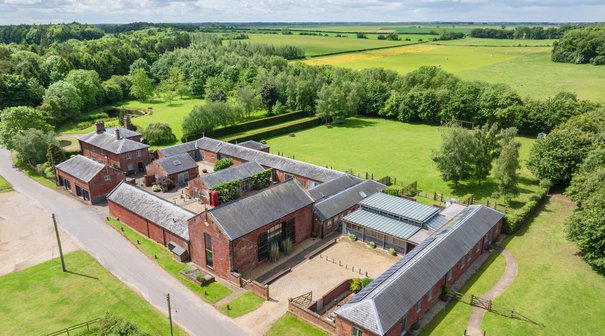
(70, 330)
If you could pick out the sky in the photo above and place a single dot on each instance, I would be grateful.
(120, 11)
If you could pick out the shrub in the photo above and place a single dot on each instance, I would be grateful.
(514, 220)
(366, 281)
(156, 188)
(260, 180)
(165, 183)
(274, 252)
(228, 191)
(352, 236)
(158, 134)
(445, 293)
(287, 246)
(356, 285)
(391, 191)
(393, 252)
(222, 164)
(372, 244)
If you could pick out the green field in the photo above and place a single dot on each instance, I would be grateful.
(319, 45)
(471, 41)
(42, 299)
(554, 286)
(397, 27)
(528, 70)
(242, 305)
(387, 147)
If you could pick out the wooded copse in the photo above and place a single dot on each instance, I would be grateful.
(581, 46)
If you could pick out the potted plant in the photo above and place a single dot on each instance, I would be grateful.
(372, 244)
(352, 236)
(392, 251)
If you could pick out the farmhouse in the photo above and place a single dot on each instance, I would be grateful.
(283, 169)
(237, 236)
(179, 168)
(398, 298)
(88, 179)
(117, 147)
(200, 187)
(337, 198)
(152, 216)
(395, 222)
(184, 148)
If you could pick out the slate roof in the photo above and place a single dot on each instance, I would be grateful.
(334, 186)
(338, 202)
(242, 216)
(153, 208)
(176, 163)
(107, 140)
(292, 166)
(400, 207)
(81, 167)
(239, 172)
(383, 303)
(253, 145)
(178, 149)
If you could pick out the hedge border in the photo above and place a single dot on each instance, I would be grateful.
(513, 221)
(263, 135)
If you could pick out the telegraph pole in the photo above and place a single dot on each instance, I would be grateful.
(169, 313)
(59, 243)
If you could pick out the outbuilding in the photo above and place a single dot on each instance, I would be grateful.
(87, 179)
(179, 168)
(201, 186)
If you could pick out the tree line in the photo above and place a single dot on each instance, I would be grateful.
(581, 46)
(523, 32)
(47, 34)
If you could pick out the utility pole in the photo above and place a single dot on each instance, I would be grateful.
(169, 313)
(59, 243)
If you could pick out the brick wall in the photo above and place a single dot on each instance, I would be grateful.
(199, 225)
(97, 188)
(312, 318)
(120, 161)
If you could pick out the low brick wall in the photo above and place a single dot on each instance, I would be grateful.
(259, 289)
(334, 294)
(311, 317)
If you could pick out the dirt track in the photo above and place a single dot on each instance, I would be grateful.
(27, 236)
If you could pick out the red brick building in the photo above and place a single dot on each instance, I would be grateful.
(152, 216)
(184, 148)
(87, 179)
(179, 168)
(200, 187)
(284, 169)
(236, 237)
(398, 298)
(117, 147)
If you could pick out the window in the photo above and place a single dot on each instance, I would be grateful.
(208, 248)
(468, 258)
(431, 295)
(102, 151)
(462, 262)
(288, 177)
(139, 154)
(107, 178)
(419, 306)
(312, 184)
(478, 248)
(245, 186)
(67, 185)
(129, 155)
(449, 275)
(356, 332)
(263, 248)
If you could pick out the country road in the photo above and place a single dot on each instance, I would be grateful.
(87, 225)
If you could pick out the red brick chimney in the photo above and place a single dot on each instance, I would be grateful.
(117, 133)
(126, 122)
(100, 126)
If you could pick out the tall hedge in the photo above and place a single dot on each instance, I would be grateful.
(261, 179)
(228, 191)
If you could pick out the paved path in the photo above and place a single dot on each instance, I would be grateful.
(474, 321)
(87, 225)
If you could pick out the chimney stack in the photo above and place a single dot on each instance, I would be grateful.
(126, 122)
(117, 133)
(100, 127)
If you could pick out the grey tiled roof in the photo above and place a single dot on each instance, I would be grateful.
(239, 172)
(338, 202)
(178, 149)
(401, 207)
(240, 217)
(334, 186)
(108, 141)
(153, 208)
(385, 301)
(253, 145)
(292, 166)
(383, 224)
(176, 163)
(81, 167)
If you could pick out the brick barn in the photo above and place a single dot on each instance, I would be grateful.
(87, 179)
(236, 237)
(118, 147)
(200, 187)
(152, 216)
(398, 298)
(337, 198)
(184, 148)
(283, 169)
(179, 168)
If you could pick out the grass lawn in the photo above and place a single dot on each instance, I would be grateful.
(387, 147)
(32, 173)
(318, 45)
(42, 299)
(528, 70)
(290, 325)
(4, 185)
(242, 305)
(214, 292)
(554, 286)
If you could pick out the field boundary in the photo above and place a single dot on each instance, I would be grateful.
(276, 130)
(368, 49)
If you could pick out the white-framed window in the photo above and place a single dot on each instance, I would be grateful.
(129, 155)
(107, 178)
(139, 154)
(102, 151)
(462, 262)
(356, 331)
(449, 275)
(478, 248)
(468, 258)
(419, 306)
(288, 177)
(431, 295)
(312, 184)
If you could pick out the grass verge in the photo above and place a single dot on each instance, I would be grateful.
(242, 305)
(42, 299)
(32, 173)
(4, 185)
(211, 293)
(290, 325)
